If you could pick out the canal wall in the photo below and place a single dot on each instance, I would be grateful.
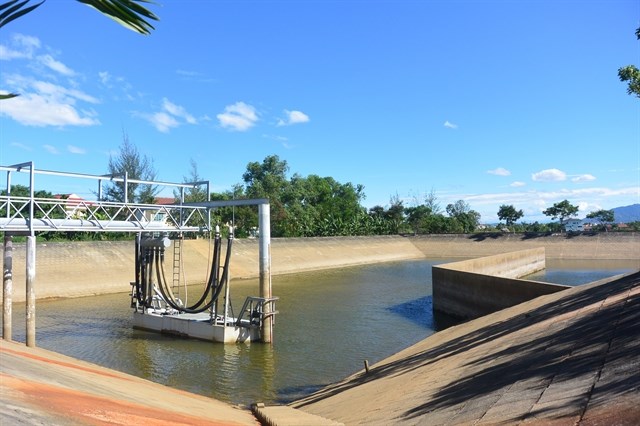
(73, 269)
(472, 288)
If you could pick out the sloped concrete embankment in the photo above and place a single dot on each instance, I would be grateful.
(90, 268)
(472, 288)
(602, 246)
(568, 358)
(73, 269)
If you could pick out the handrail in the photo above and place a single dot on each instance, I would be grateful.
(258, 313)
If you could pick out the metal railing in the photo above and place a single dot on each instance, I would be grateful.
(30, 214)
(256, 310)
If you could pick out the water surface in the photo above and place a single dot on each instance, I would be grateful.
(329, 323)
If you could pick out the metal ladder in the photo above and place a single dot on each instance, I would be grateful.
(177, 260)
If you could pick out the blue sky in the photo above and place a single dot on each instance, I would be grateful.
(491, 102)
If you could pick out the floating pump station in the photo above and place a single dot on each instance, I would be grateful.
(157, 307)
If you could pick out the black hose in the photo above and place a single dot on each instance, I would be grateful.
(214, 284)
(212, 281)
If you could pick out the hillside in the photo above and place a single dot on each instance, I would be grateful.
(627, 214)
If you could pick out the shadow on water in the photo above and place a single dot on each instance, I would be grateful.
(419, 311)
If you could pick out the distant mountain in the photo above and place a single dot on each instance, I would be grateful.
(627, 214)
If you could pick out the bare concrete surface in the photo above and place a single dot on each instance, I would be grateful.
(39, 387)
(570, 358)
(282, 415)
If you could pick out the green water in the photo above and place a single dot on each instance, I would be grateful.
(329, 323)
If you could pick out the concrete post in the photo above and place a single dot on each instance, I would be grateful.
(30, 291)
(7, 289)
(265, 267)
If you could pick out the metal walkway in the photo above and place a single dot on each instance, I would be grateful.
(29, 214)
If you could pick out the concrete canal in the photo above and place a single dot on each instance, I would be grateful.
(330, 321)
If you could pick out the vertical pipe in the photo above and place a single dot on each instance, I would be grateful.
(126, 187)
(8, 194)
(30, 291)
(7, 289)
(265, 268)
(32, 203)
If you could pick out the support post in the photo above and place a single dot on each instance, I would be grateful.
(7, 289)
(30, 291)
(265, 268)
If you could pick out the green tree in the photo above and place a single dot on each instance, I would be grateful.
(431, 201)
(604, 217)
(562, 210)
(631, 74)
(269, 180)
(129, 13)
(137, 167)
(509, 214)
(196, 193)
(417, 216)
(24, 192)
(464, 219)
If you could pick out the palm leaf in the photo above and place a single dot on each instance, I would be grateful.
(12, 10)
(129, 13)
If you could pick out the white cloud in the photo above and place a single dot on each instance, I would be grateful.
(171, 116)
(32, 109)
(499, 172)
(21, 146)
(7, 54)
(163, 121)
(583, 178)
(105, 77)
(177, 111)
(239, 117)
(51, 149)
(534, 202)
(517, 184)
(76, 150)
(450, 125)
(22, 47)
(28, 42)
(549, 175)
(46, 104)
(57, 66)
(293, 117)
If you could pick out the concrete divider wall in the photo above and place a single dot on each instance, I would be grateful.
(476, 287)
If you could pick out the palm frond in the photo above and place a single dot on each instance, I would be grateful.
(129, 13)
(13, 9)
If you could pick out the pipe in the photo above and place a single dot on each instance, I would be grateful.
(265, 269)
(7, 289)
(30, 292)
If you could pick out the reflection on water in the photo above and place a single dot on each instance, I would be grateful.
(329, 323)
(577, 272)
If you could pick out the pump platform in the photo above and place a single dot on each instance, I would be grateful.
(198, 326)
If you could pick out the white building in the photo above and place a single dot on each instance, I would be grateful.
(573, 225)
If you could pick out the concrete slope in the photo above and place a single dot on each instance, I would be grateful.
(568, 358)
(39, 387)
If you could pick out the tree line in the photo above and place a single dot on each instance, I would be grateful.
(316, 206)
